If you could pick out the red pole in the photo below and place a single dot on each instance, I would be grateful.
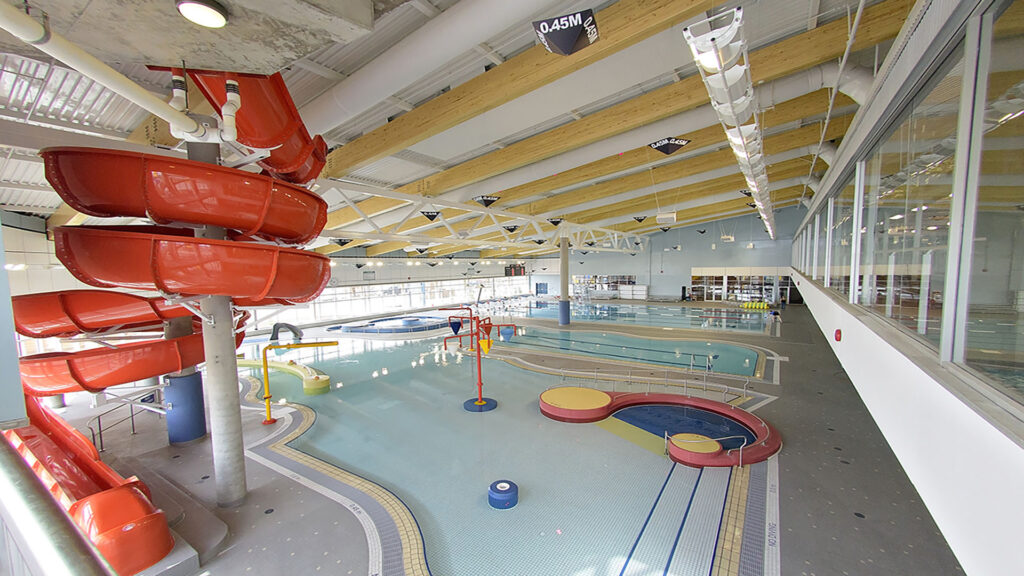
(479, 375)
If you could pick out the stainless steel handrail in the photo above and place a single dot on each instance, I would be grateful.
(49, 542)
(131, 402)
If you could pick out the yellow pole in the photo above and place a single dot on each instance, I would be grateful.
(266, 370)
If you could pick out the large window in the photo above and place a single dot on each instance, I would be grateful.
(994, 337)
(344, 302)
(906, 211)
(949, 176)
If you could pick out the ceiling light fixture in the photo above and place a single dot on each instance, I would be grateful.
(720, 51)
(206, 13)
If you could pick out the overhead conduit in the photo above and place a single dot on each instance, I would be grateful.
(453, 32)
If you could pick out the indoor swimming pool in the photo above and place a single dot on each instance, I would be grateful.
(395, 416)
(679, 354)
(393, 325)
(682, 317)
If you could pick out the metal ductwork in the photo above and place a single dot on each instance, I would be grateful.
(451, 33)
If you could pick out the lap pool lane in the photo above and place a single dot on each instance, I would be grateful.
(680, 533)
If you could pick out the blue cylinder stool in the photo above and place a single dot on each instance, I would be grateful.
(503, 494)
(186, 411)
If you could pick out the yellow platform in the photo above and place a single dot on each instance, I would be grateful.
(696, 443)
(573, 398)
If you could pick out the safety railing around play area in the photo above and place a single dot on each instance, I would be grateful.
(649, 382)
(39, 538)
(136, 400)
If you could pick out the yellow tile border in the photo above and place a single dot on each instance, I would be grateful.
(730, 535)
(414, 560)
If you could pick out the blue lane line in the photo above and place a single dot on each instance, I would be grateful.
(683, 523)
(649, 514)
(721, 519)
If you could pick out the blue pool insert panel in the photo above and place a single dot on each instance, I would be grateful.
(660, 419)
(395, 325)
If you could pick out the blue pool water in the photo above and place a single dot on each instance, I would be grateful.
(647, 315)
(701, 355)
(395, 325)
(397, 419)
(659, 419)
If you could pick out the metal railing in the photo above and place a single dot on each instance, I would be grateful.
(629, 382)
(131, 400)
(719, 440)
(38, 537)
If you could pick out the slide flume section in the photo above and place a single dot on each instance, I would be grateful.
(108, 183)
(116, 514)
(269, 119)
(174, 262)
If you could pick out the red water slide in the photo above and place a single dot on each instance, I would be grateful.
(259, 212)
(268, 119)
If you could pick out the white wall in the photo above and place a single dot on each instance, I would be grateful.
(43, 272)
(12, 400)
(666, 271)
(969, 474)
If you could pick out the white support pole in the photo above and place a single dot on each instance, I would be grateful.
(222, 376)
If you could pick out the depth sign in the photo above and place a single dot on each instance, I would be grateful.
(669, 145)
(564, 34)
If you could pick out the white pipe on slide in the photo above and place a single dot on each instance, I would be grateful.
(27, 29)
(450, 34)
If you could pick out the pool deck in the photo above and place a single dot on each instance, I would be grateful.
(843, 502)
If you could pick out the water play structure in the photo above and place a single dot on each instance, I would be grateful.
(116, 513)
(581, 405)
(478, 330)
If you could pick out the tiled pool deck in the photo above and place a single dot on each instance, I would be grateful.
(841, 503)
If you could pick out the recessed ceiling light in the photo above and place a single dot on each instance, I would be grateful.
(206, 13)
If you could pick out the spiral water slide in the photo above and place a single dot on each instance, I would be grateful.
(261, 212)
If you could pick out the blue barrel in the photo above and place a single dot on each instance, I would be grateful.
(503, 494)
(563, 312)
(186, 411)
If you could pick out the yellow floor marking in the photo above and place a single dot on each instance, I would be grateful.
(638, 436)
(730, 537)
(413, 558)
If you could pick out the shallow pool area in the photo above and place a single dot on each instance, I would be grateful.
(699, 355)
(586, 495)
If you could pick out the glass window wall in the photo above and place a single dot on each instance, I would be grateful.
(994, 340)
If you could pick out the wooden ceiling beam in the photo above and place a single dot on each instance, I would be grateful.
(782, 113)
(627, 208)
(879, 22)
(622, 24)
(783, 142)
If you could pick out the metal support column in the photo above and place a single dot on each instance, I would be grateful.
(564, 298)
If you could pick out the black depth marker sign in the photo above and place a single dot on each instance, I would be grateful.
(668, 145)
(567, 34)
